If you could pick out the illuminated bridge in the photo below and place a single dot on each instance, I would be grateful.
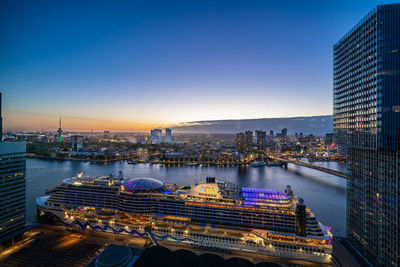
(312, 166)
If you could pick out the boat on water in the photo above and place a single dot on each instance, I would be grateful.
(257, 164)
(273, 164)
(212, 213)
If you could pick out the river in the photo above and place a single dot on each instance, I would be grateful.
(323, 193)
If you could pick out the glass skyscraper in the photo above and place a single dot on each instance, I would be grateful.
(12, 191)
(367, 122)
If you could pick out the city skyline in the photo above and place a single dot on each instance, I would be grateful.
(133, 67)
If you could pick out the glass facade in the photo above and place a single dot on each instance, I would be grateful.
(367, 122)
(12, 188)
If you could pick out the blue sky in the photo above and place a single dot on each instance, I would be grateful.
(133, 65)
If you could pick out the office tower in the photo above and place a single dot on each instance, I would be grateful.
(261, 138)
(271, 136)
(301, 135)
(12, 191)
(168, 135)
(249, 138)
(241, 143)
(156, 136)
(284, 132)
(76, 142)
(367, 122)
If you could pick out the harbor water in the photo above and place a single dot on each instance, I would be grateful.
(323, 193)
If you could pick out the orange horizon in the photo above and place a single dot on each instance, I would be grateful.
(26, 121)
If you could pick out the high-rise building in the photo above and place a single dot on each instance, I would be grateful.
(367, 122)
(241, 143)
(76, 142)
(271, 136)
(261, 138)
(249, 138)
(168, 135)
(284, 132)
(12, 190)
(156, 136)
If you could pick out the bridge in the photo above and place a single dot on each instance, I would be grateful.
(312, 166)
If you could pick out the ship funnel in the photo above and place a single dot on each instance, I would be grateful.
(301, 215)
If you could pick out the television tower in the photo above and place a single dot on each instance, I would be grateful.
(59, 132)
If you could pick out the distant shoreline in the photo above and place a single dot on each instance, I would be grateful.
(72, 159)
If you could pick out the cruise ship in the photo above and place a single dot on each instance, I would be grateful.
(211, 213)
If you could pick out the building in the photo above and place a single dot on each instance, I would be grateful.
(168, 135)
(344, 254)
(244, 141)
(329, 139)
(76, 142)
(156, 136)
(12, 191)
(284, 132)
(241, 144)
(367, 122)
(249, 138)
(261, 137)
(31, 138)
(271, 136)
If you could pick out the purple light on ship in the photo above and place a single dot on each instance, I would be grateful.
(257, 194)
